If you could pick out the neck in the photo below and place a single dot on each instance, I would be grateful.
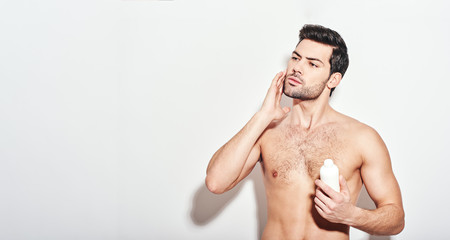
(311, 113)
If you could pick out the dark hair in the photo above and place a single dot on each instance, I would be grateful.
(339, 58)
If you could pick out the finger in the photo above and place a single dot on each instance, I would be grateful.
(321, 212)
(280, 79)
(278, 98)
(326, 189)
(324, 198)
(272, 89)
(276, 78)
(280, 89)
(279, 94)
(286, 109)
(320, 204)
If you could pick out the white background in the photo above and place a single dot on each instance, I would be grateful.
(111, 110)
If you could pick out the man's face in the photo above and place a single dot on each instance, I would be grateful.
(308, 70)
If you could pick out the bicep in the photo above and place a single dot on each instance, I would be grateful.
(377, 173)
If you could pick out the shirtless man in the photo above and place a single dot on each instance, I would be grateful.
(291, 146)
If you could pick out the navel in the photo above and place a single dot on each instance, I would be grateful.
(274, 173)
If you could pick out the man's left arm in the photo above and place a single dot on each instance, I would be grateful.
(380, 183)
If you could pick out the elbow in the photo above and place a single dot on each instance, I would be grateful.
(213, 186)
(399, 228)
(402, 224)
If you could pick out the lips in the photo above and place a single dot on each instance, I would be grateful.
(294, 80)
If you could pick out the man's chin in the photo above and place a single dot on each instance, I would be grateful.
(288, 92)
(289, 96)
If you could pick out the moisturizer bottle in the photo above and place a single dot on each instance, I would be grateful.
(329, 174)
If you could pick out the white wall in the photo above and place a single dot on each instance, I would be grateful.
(110, 110)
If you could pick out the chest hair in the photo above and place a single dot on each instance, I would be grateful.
(296, 152)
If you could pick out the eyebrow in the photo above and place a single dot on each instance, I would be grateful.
(309, 58)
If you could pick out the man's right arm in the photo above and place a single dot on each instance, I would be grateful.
(236, 159)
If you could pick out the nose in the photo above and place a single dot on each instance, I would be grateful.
(299, 66)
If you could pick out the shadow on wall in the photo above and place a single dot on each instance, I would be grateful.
(206, 206)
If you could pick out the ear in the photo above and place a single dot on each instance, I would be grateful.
(334, 80)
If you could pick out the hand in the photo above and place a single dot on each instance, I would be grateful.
(271, 105)
(334, 206)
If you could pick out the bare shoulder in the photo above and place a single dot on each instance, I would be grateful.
(357, 129)
(364, 138)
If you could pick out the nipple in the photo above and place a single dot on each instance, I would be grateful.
(274, 173)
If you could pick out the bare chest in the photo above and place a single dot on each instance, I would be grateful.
(288, 153)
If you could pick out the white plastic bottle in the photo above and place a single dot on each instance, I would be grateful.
(329, 173)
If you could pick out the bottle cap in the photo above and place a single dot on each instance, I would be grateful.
(328, 163)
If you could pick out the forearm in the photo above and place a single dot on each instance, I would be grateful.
(228, 162)
(385, 220)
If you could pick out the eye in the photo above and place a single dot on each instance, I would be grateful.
(294, 58)
(313, 65)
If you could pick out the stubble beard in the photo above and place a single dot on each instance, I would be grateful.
(305, 93)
